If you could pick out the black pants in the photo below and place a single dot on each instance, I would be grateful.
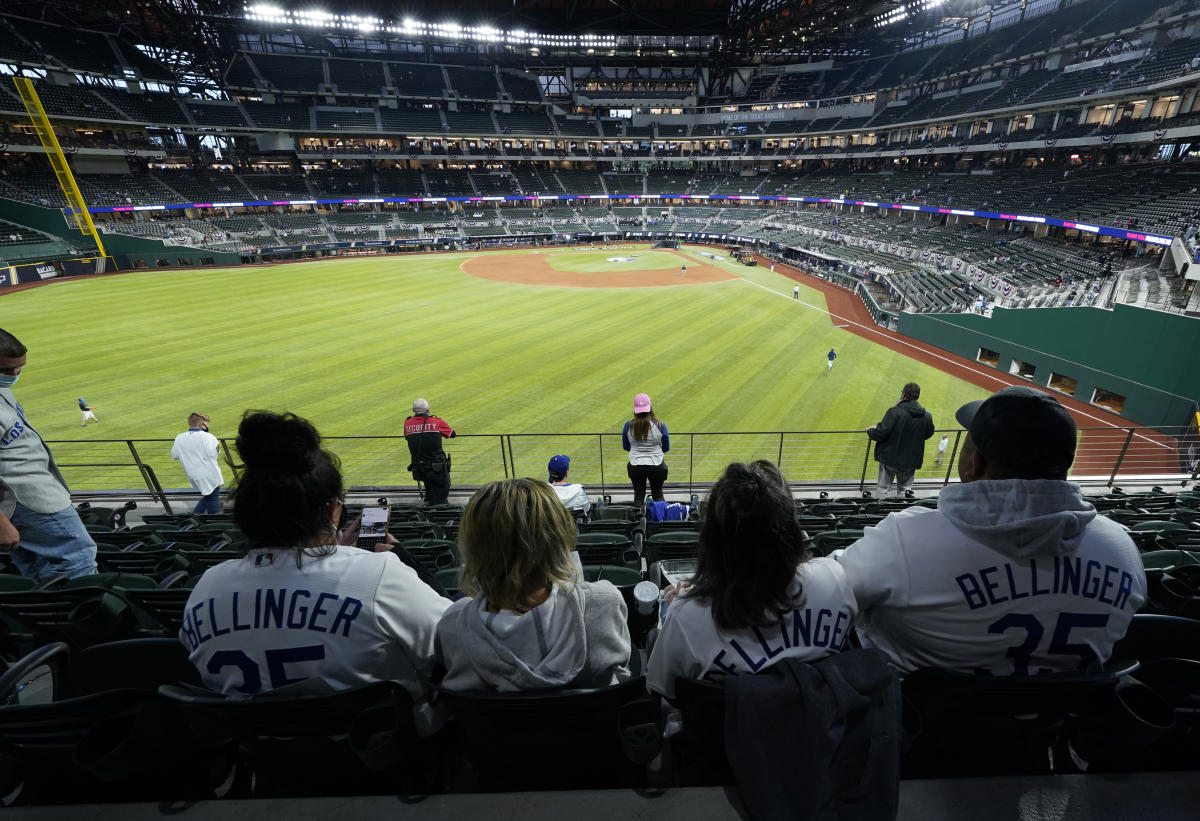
(437, 483)
(638, 474)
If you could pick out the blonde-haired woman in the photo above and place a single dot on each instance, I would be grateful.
(531, 623)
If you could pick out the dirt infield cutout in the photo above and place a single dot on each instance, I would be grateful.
(533, 269)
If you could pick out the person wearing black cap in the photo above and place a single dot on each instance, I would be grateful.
(1014, 573)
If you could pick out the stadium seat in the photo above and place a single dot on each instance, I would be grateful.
(608, 548)
(362, 737)
(1035, 724)
(568, 739)
(621, 513)
(86, 729)
(827, 541)
(433, 554)
(76, 616)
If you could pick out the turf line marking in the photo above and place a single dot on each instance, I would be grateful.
(932, 354)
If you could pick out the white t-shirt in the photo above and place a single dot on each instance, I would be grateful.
(573, 496)
(690, 644)
(196, 450)
(351, 617)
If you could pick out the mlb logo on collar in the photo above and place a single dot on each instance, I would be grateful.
(263, 559)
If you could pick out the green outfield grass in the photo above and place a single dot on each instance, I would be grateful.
(350, 343)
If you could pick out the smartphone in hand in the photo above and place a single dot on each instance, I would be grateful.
(373, 527)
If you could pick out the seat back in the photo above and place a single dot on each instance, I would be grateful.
(699, 748)
(363, 738)
(553, 740)
(1034, 724)
(607, 548)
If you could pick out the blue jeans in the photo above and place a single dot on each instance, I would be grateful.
(52, 543)
(210, 503)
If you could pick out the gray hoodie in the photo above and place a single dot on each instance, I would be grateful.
(1011, 576)
(578, 637)
(1019, 517)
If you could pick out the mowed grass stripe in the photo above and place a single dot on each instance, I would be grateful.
(349, 343)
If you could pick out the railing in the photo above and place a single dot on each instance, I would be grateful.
(835, 458)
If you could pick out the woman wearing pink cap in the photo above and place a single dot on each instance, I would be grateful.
(646, 439)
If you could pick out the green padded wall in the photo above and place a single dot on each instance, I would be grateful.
(1150, 357)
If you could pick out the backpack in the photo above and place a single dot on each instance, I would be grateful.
(668, 511)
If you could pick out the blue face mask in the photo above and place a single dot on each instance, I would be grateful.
(8, 380)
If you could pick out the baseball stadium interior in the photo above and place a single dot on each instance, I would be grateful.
(933, 157)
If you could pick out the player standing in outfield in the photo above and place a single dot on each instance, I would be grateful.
(1014, 573)
(86, 410)
(941, 449)
(795, 292)
(829, 357)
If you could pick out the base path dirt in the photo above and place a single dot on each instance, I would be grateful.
(534, 269)
(1147, 451)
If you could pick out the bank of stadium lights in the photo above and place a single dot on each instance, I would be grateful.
(901, 13)
(449, 30)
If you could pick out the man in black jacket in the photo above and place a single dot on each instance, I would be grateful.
(900, 441)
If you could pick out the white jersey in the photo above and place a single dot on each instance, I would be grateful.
(573, 496)
(351, 617)
(692, 646)
(196, 450)
(1012, 577)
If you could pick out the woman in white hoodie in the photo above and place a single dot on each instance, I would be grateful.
(531, 623)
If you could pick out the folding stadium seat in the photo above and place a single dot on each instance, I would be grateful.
(76, 616)
(1034, 724)
(567, 739)
(689, 526)
(1178, 539)
(362, 737)
(861, 520)
(168, 521)
(433, 554)
(827, 541)
(609, 549)
(416, 530)
(622, 513)
(626, 529)
(125, 539)
(837, 508)
(90, 727)
(669, 545)
(816, 522)
(444, 514)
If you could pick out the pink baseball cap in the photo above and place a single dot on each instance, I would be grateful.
(641, 403)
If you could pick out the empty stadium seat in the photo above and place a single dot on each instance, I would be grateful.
(570, 739)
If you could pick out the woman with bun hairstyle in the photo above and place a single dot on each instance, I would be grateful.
(755, 597)
(532, 623)
(646, 439)
(302, 604)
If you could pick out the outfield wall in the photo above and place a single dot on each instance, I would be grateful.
(1149, 357)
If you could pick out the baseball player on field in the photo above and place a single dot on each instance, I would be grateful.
(87, 412)
(1013, 573)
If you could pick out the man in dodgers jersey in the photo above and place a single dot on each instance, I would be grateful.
(1013, 573)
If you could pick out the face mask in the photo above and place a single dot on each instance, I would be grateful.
(8, 380)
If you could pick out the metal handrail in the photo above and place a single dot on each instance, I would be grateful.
(843, 458)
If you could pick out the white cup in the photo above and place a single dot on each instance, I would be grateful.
(645, 594)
